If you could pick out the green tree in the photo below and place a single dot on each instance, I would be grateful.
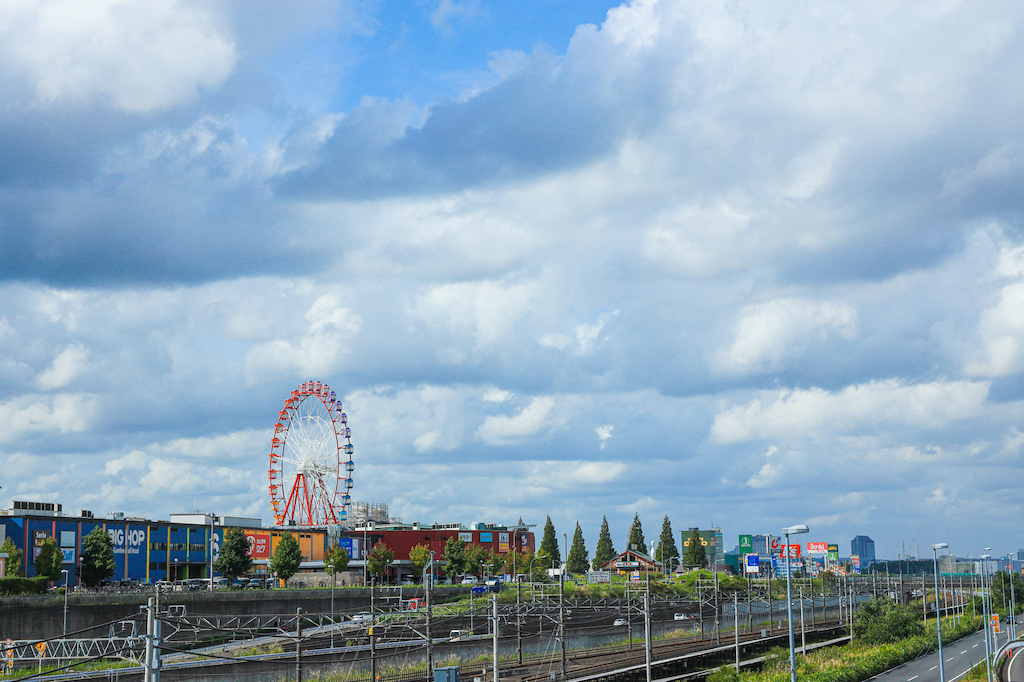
(666, 543)
(1001, 582)
(97, 557)
(14, 555)
(380, 558)
(549, 543)
(695, 553)
(881, 620)
(419, 556)
(287, 557)
(476, 558)
(233, 560)
(605, 551)
(577, 562)
(454, 558)
(636, 536)
(336, 561)
(48, 561)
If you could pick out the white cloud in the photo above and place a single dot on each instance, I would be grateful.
(62, 413)
(133, 56)
(1002, 332)
(496, 395)
(136, 460)
(561, 475)
(792, 414)
(66, 367)
(317, 352)
(770, 334)
(604, 432)
(535, 417)
(584, 339)
(768, 475)
(487, 310)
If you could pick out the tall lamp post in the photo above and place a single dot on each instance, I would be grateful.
(65, 572)
(938, 612)
(986, 604)
(792, 530)
(212, 517)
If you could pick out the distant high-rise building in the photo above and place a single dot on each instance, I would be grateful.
(864, 547)
(759, 545)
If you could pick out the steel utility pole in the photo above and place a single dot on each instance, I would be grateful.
(495, 629)
(736, 614)
(647, 628)
(561, 618)
(371, 635)
(298, 644)
(148, 672)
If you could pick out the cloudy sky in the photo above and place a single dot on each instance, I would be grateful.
(749, 263)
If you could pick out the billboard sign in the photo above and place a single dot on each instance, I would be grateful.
(627, 564)
(259, 545)
(466, 537)
(746, 544)
(127, 540)
(817, 548)
(503, 537)
(503, 548)
(781, 566)
(855, 563)
(794, 551)
(69, 555)
(597, 577)
(833, 552)
(775, 545)
(753, 564)
(486, 537)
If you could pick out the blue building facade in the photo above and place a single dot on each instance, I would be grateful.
(864, 547)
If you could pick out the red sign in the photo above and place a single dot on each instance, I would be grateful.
(817, 547)
(794, 551)
(259, 546)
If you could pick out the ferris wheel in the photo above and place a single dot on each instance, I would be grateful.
(311, 459)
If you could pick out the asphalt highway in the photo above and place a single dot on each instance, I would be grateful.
(959, 657)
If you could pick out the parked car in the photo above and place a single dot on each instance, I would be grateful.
(361, 618)
(682, 616)
(470, 580)
(619, 621)
(458, 635)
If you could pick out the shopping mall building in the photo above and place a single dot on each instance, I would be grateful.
(179, 548)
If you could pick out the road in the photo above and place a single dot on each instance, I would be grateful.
(959, 657)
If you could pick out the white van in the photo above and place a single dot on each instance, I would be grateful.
(458, 635)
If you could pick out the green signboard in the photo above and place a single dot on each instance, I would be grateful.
(833, 552)
(746, 544)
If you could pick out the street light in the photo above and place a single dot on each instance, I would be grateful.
(212, 516)
(938, 613)
(65, 572)
(986, 604)
(792, 530)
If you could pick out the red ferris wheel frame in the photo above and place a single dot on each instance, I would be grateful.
(311, 463)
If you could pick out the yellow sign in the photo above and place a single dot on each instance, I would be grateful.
(41, 648)
(994, 622)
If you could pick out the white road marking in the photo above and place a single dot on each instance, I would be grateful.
(932, 668)
(912, 678)
(963, 652)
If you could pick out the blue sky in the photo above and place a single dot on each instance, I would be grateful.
(752, 264)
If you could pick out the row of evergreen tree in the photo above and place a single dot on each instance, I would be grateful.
(578, 560)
